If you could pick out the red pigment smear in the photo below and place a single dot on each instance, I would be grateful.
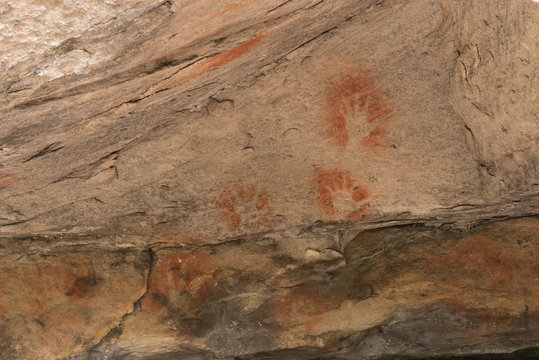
(349, 90)
(232, 54)
(217, 61)
(327, 182)
(233, 194)
(7, 179)
(374, 138)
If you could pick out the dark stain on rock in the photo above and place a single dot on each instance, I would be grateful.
(82, 287)
(303, 305)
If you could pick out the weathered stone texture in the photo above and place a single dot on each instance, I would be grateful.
(207, 179)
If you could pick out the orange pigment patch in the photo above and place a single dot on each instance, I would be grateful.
(203, 67)
(7, 179)
(73, 282)
(232, 54)
(53, 284)
(476, 264)
(353, 101)
(476, 260)
(328, 182)
(239, 195)
(374, 138)
(180, 279)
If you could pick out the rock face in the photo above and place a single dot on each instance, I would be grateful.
(268, 179)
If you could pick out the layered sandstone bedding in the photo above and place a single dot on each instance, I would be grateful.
(268, 179)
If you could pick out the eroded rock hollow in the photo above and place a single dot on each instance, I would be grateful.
(301, 179)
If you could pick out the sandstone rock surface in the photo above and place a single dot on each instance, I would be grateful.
(268, 179)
